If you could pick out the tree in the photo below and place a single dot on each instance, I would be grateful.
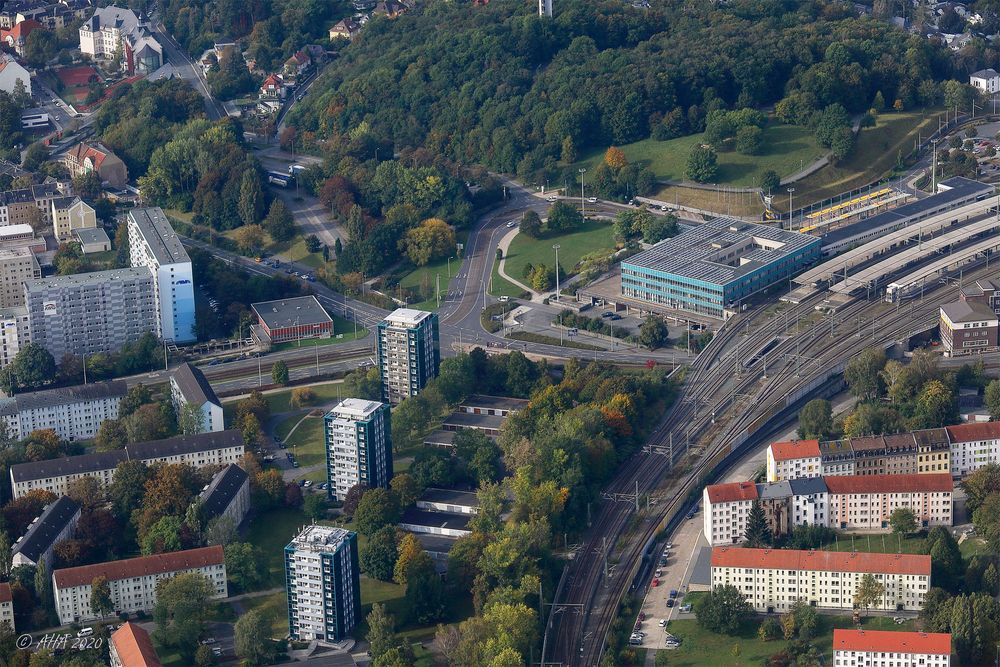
(816, 420)
(407, 489)
(869, 592)
(251, 202)
(279, 222)
(936, 406)
(204, 657)
(181, 606)
(377, 508)
(36, 154)
(353, 498)
(221, 530)
(100, 597)
(903, 521)
(249, 239)
(410, 550)
(153, 421)
(653, 332)
(758, 533)
(5, 554)
(191, 419)
(111, 435)
(433, 239)
(245, 565)
(379, 557)
(531, 225)
(980, 484)
(563, 217)
(163, 536)
(768, 631)
(425, 594)
(32, 367)
(862, 373)
(251, 636)
(723, 610)
(381, 633)
(302, 397)
(279, 372)
(749, 140)
(314, 506)
(615, 158)
(702, 164)
(136, 397)
(769, 181)
(806, 619)
(992, 399)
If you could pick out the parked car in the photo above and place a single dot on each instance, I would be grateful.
(673, 592)
(607, 313)
(592, 200)
(208, 640)
(656, 582)
(308, 483)
(670, 602)
(86, 632)
(685, 608)
(642, 616)
(663, 623)
(658, 572)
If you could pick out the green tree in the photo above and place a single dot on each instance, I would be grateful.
(204, 657)
(758, 532)
(425, 593)
(653, 332)
(869, 592)
(36, 154)
(992, 399)
(250, 239)
(806, 619)
(381, 632)
(768, 631)
(279, 372)
(862, 373)
(936, 406)
(245, 565)
(111, 435)
(162, 536)
(749, 139)
(903, 521)
(563, 217)
(191, 419)
(379, 556)
(702, 165)
(181, 607)
(251, 635)
(32, 367)
(100, 597)
(377, 508)
(531, 224)
(722, 610)
(816, 420)
(769, 181)
(979, 484)
(279, 222)
(252, 200)
(5, 554)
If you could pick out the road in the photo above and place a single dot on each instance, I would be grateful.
(186, 68)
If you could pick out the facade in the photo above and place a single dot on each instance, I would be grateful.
(497, 406)
(294, 319)
(130, 646)
(6, 605)
(154, 245)
(837, 457)
(967, 327)
(865, 502)
(713, 267)
(882, 648)
(201, 450)
(114, 32)
(775, 579)
(986, 80)
(16, 266)
(790, 460)
(74, 413)
(91, 156)
(133, 581)
(92, 240)
(323, 584)
(358, 446)
(71, 214)
(973, 446)
(11, 73)
(228, 495)
(14, 333)
(409, 352)
(189, 386)
(726, 509)
(344, 29)
(87, 313)
(933, 451)
(786, 504)
(56, 523)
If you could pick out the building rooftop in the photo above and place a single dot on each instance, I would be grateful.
(193, 386)
(495, 402)
(468, 420)
(821, 561)
(297, 311)
(807, 486)
(5, 593)
(134, 647)
(70, 465)
(48, 398)
(139, 567)
(988, 73)
(89, 235)
(447, 520)
(966, 311)
(731, 492)
(450, 497)
(16, 230)
(355, 408)
(971, 432)
(18, 252)
(161, 240)
(320, 539)
(406, 317)
(440, 437)
(932, 437)
(432, 543)
(935, 482)
(86, 279)
(796, 449)
(185, 444)
(836, 449)
(44, 530)
(774, 490)
(221, 491)
(887, 641)
(721, 250)
(898, 442)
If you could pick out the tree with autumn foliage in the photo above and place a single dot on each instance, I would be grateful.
(18, 514)
(168, 493)
(433, 239)
(615, 158)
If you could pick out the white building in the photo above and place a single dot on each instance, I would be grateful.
(726, 509)
(14, 333)
(865, 502)
(323, 584)
(218, 448)
(189, 386)
(358, 446)
(227, 495)
(74, 413)
(154, 244)
(6, 605)
(116, 32)
(973, 446)
(10, 73)
(56, 523)
(789, 460)
(986, 80)
(408, 352)
(16, 266)
(772, 580)
(133, 582)
(882, 648)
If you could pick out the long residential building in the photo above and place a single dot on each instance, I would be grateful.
(358, 446)
(227, 495)
(772, 580)
(16, 266)
(322, 579)
(885, 648)
(853, 503)
(218, 448)
(74, 413)
(409, 353)
(56, 523)
(133, 582)
(87, 313)
(188, 386)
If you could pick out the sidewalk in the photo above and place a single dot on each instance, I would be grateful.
(504, 244)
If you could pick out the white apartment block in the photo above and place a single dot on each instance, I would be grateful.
(188, 385)
(772, 580)
(323, 584)
(16, 266)
(986, 80)
(227, 495)
(408, 352)
(973, 446)
(358, 446)
(726, 509)
(14, 333)
(791, 460)
(201, 450)
(882, 648)
(6, 605)
(133, 582)
(74, 413)
(865, 502)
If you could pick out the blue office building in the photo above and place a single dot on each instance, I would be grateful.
(712, 268)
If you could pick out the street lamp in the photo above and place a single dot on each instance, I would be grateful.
(790, 191)
(583, 206)
(556, 248)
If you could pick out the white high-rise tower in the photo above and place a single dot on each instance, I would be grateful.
(545, 8)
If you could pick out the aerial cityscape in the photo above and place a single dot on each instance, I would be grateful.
(486, 333)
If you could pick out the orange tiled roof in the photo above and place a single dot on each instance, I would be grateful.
(884, 641)
(139, 567)
(134, 647)
(821, 561)
(796, 449)
(939, 482)
(971, 432)
(731, 492)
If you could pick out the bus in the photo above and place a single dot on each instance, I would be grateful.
(34, 121)
(280, 179)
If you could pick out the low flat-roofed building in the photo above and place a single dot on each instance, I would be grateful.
(488, 424)
(21, 236)
(887, 648)
(92, 240)
(227, 495)
(74, 413)
(296, 318)
(440, 438)
(436, 523)
(131, 646)
(56, 523)
(449, 500)
(499, 406)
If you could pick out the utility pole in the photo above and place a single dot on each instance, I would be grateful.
(583, 206)
(556, 248)
(790, 191)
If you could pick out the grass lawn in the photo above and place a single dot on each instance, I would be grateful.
(500, 286)
(270, 532)
(306, 443)
(786, 150)
(424, 278)
(278, 401)
(744, 205)
(274, 608)
(700, 647)
(972, 546)
(295, 251)
(592, 236)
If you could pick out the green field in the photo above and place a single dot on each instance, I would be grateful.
(270, 532)
(500, 286)
(702, 648)
(786, 150)
(592, 236)
(425, 277)
(306, 443)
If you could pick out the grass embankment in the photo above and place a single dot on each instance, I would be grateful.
(591, 236)
(541, 339)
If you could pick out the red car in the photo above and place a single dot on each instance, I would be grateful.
(642, 616)
(656, 582)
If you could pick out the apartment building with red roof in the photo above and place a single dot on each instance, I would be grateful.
(885, 648)
(132, 582)
(131, 646)
(973, 445)
(865, 502)
(6, 605)
(790, 460)
(727, 507)
(87, 157)
(772, 580)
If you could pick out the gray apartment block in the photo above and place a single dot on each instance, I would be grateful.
(90, 312)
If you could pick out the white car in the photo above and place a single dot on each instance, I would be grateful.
(86, 632)
(663, 623)
(511, 224)
(591, 200)
(551, 200)
(308, 483)
(672, 645)
(208, 640)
